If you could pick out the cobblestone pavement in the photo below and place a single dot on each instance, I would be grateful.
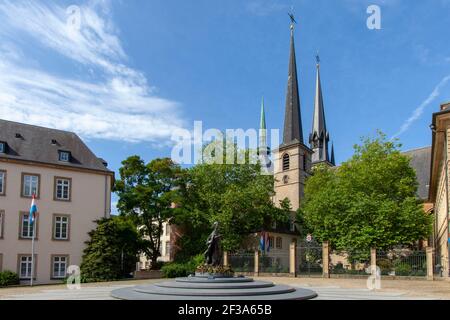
(327, 289)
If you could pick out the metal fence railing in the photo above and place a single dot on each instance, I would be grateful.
(352, 262)
(398, 262)
(242, 262)
(274, 263)
(437, 266)
(402, 262)
(309, 260)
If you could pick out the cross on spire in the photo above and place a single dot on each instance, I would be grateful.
(291, 16)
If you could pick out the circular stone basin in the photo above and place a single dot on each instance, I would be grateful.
(208, 288)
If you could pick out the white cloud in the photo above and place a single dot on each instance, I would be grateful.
(120, 106)
(419, 110)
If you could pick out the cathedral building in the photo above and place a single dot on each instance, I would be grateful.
(293, 159)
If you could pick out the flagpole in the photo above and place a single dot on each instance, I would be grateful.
(32, 254)
(32, 220)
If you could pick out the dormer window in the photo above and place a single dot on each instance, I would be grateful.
(64, 156)
(2, 147)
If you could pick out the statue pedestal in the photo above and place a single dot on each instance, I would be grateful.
(217, 288)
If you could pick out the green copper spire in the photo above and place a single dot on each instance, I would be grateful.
(262, 123)
(262, 130)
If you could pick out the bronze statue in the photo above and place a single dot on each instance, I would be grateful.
(212, 254)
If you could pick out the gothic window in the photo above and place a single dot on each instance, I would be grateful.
(285, 162)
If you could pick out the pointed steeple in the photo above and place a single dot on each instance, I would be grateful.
(319, 136)
(262, 122)
(292, 132)
(262, 127)
(333, 162)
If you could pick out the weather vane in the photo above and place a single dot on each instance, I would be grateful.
(291, 16)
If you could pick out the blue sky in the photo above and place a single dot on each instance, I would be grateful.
(135, 71)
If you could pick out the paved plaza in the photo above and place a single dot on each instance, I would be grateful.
(327, 289)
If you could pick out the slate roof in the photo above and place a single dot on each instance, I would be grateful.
(42, 145)
(421, 162)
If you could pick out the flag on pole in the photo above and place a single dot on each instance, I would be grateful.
(267, 242)
(33, 209)
(262, 241)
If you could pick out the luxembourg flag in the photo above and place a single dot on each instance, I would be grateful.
(262, 242)
(33, 209)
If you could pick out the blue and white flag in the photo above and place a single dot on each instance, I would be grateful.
(33, 209)
(262, 242)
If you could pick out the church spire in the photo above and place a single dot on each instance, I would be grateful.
(262, 127)
(292, 132)
(262, 122)
(319, 136)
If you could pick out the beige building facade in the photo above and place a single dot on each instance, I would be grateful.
(439, 186)
(72, 188)
(167, 239)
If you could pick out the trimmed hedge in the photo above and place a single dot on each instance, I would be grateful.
(181, 269)
(8, 278)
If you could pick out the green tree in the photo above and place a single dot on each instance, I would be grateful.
(112, 250)
(369, 201)
(146, 193)
(235, 194)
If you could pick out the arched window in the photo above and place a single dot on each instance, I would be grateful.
(285, 162)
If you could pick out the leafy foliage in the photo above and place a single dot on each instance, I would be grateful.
(113, 239)
(146, 193)
(182, 269)
(369, 201)
(236, 195)
(208, 269)
(8, 278)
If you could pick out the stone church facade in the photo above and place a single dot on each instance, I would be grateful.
(294, 160)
